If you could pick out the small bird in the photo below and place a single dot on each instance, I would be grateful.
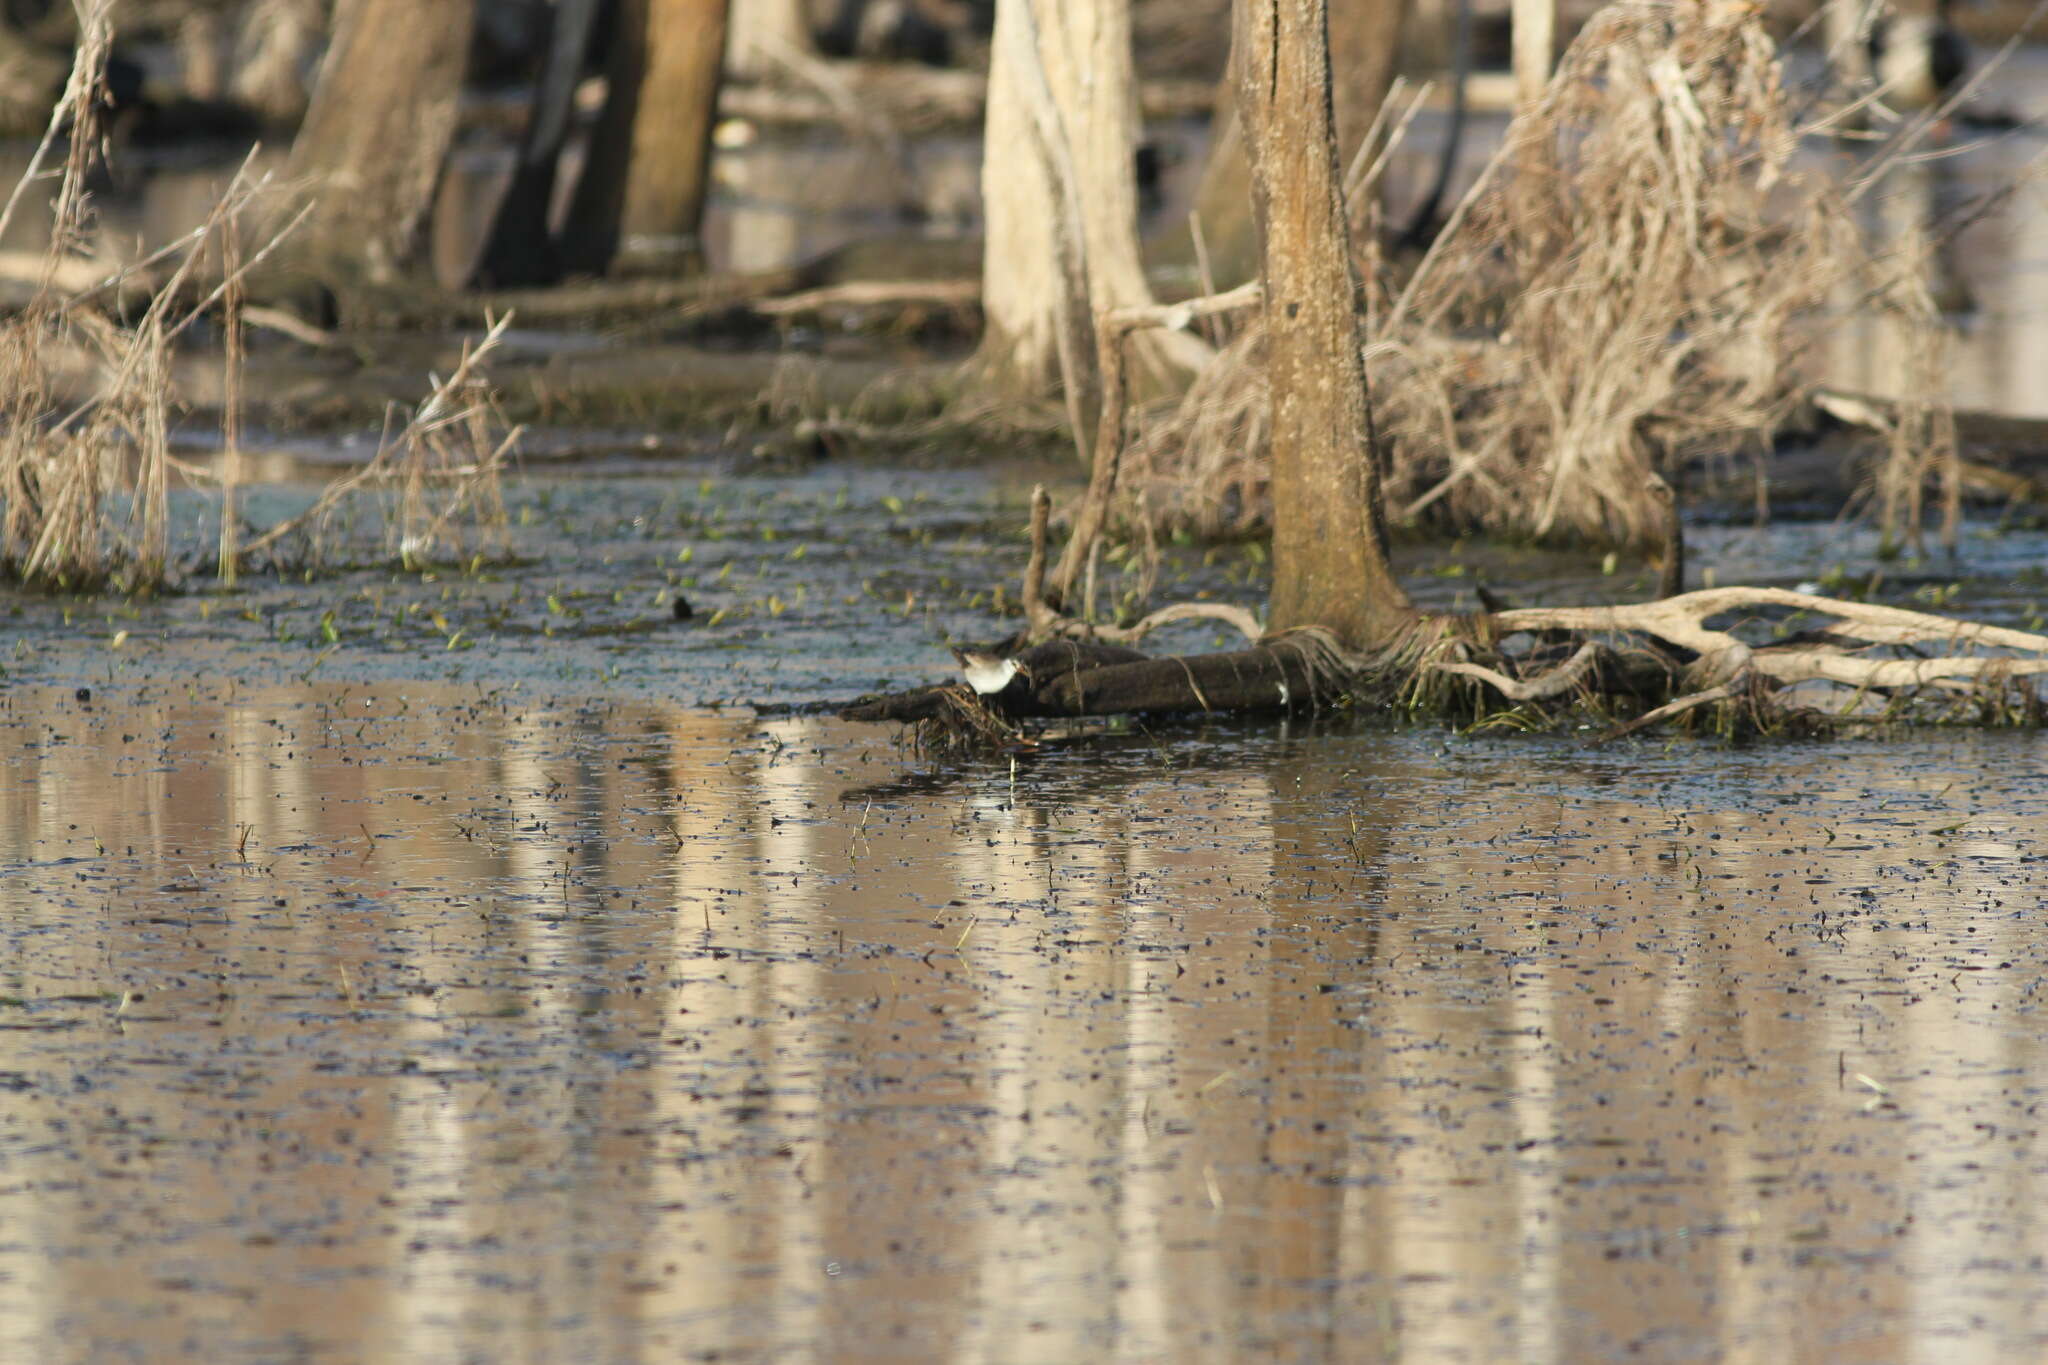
(1917, 58)
(1014, 681)
(986, 671)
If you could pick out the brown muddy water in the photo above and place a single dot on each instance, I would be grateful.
(368, 998)
(419, 1023)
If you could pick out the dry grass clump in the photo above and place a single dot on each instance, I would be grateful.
(59, 469)
(437, 480)
(1629, 287)
(85, 480)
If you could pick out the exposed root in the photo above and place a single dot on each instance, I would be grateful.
(1815, 656)
(1671, 710)
(1568, 676)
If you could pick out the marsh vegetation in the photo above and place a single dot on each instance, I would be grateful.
(1513, 907)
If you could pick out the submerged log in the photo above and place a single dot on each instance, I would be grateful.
(1263, 678)
(919, 703)
(1273, 677)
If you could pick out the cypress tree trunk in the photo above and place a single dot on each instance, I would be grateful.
(1059, 187)
(278, 39)
(1365, 38)
(640, 204)
(379, 129)
(1329, 533)
(522, 249)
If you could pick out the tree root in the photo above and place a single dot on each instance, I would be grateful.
(1681, 621)
(1671, 710)
(1661, 655)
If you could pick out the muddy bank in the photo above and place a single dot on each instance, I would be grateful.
(808, 582)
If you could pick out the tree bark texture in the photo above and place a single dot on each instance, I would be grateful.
(1329, 532)
(640, 204)
(760, 29)
(1059, 186)
(379, 129)
(277, 40)
(1365, 40)
(1534, 37)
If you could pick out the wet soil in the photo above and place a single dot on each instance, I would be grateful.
(442, 966)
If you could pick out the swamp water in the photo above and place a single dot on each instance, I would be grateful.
(368, 998)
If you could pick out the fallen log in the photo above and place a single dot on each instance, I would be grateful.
(1289, 672)
(1262, 678)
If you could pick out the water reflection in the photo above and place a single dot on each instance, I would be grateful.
(438, 1024)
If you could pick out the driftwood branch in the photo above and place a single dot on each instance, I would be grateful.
(1046, 622)
(1265, 678)
(1682, 621)
(1237, 618)
(1259, 679)
(874, 294)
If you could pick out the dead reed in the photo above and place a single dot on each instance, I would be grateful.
(437, 479)
(1632, 285)
(86, 395)
(56, 469)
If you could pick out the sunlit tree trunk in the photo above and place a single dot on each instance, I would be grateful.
(761, 31)
(1329, 533)
(379, 129)
(1365, 39)
(1534, 38)
(640, 204)
(1059, 185)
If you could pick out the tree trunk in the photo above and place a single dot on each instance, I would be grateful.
(761, 31)
(1059, 186)
(1365, 39)
(1329, 532)
(640, 204)
(1534, 38)
(379, 129)
(202, 54)
(278, 39)
(31, 79)
(522, 248)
